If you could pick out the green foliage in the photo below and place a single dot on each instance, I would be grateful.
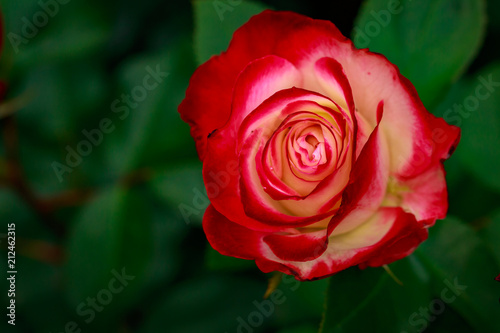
(491, 233)
(230, 299)
(112, 234)
(432, 42)
(300, 329)
(141, 138)
(456, 253)
(216, 261)
(478, 150)
(182, 189)
(131, 200)
(376, 292)
(215, 23)
(80, 32)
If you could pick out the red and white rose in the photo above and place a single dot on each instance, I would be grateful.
(337, 161)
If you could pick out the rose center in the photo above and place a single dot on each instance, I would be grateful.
(311, 150)
(306, 148)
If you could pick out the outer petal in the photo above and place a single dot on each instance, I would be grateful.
(442, 138)
(207, 104)
(402, 233)
(260, 79)
(232, 239)
(408, 126)
(225, 195)
(426, 195)
(400, 242)
(301, 247)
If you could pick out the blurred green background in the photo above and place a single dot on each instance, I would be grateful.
(101, 179)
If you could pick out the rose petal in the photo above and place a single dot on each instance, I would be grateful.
(256, 202)
(254, 133)
(331, 77)
(426, 195)
(388, 235)
(230, 238)
(368, 185)
(225, 195)
(260, 79)
(297, 247)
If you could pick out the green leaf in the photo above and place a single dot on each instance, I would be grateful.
(462, 270)
(13, 209)
(40, 303)
(415, 35)
(218, 262)
(168, 233)
(215, 22)
(448, 321)
(494, 14)
(470, 200)
(491, 234)
(149, 130)
(74, 31)
(301, 329)
(59, 112)
(209, 304)
(472, 104)
(480, 121)
(111, 237)
(304, 301)
(182, 189)
(370, 300)
(57, 104)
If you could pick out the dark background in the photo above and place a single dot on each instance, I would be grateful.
(135, 202)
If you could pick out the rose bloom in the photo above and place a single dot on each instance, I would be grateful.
(316, 156)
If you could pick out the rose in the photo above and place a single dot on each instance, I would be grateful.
(316, 156)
